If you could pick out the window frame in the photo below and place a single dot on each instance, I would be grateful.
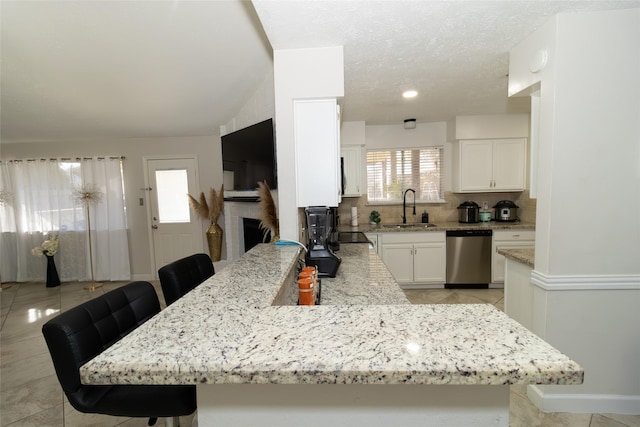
(414, 151)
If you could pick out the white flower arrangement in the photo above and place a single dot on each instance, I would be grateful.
(48, 248)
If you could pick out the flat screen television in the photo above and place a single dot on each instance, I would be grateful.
(249, 156)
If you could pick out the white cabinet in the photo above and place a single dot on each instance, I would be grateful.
(519, 293)
(489, 165)
(352, 164)
(373, 238)
(414, 258)
(317, 142)
(508, 239)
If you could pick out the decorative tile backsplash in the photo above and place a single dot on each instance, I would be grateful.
(440, 212)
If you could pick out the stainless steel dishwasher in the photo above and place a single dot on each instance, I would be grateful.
(468, 258)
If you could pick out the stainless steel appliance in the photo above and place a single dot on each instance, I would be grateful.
(468, 212)
(318, 251)
(506, 210)
(468, 258)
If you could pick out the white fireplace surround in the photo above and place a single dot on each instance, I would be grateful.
(234, 212)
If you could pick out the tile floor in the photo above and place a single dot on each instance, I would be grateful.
(31, 396)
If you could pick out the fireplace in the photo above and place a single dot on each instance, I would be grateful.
(252, 233)
(236, 213)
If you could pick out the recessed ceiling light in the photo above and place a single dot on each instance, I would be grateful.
(409, 94)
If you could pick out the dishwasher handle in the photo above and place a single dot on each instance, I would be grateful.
(469, 233)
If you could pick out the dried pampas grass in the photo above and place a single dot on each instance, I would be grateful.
(211, 210)
(268, 216)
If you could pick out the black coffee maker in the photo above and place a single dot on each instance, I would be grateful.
(319, 252)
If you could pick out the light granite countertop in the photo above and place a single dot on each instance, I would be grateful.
(227, 331)
(440, 226)
(524, 256)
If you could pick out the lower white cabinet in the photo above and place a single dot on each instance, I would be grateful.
(414, 258)
(508, 239)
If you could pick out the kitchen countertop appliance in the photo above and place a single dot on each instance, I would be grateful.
(468, 212)
(468, 258)
(319, 252)
(506, 210)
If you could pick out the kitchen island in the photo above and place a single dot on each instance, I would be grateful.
(518, 289)
(365, 356)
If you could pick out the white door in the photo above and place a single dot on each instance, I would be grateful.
(176, 230)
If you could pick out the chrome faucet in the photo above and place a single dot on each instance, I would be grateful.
(404, 204)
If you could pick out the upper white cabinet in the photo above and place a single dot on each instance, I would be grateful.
(489, 165)
(352, 164)
(317, 142)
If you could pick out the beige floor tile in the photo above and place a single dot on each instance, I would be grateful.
(489, 296)
(462, 298)
(18, 327)
(30, 399)
(75, 418)
(18, 350)
(25, 370)
(51, 417)
(523, 413)
(7, 295)
(426, 296)
(615, 420)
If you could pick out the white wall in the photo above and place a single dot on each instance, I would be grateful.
(586, 266)
(206, 148)
(492, 126)
(299, 74)
(258, 108)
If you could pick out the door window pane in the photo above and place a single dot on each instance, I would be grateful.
(173, 205)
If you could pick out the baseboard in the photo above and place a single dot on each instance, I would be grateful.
(143, 277)
(584, 403)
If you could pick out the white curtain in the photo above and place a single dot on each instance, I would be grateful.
(37, 199)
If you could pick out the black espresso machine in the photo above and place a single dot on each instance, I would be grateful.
(319, 252)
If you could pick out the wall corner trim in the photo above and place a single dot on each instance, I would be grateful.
(585, 282)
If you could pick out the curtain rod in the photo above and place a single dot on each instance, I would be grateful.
(66, 159)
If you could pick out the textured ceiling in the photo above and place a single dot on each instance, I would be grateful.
(454, 53)
(90, 69)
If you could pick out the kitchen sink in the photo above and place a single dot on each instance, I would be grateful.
(417, 226)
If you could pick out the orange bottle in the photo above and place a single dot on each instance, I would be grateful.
(306, 291)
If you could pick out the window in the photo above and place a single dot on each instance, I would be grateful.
(172, 185)
(391, 172)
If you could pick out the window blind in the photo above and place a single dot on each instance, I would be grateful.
(391, 172)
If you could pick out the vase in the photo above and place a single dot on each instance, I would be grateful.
(52, 273)
(214, 240)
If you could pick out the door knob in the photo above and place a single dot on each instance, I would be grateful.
(155, 227)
